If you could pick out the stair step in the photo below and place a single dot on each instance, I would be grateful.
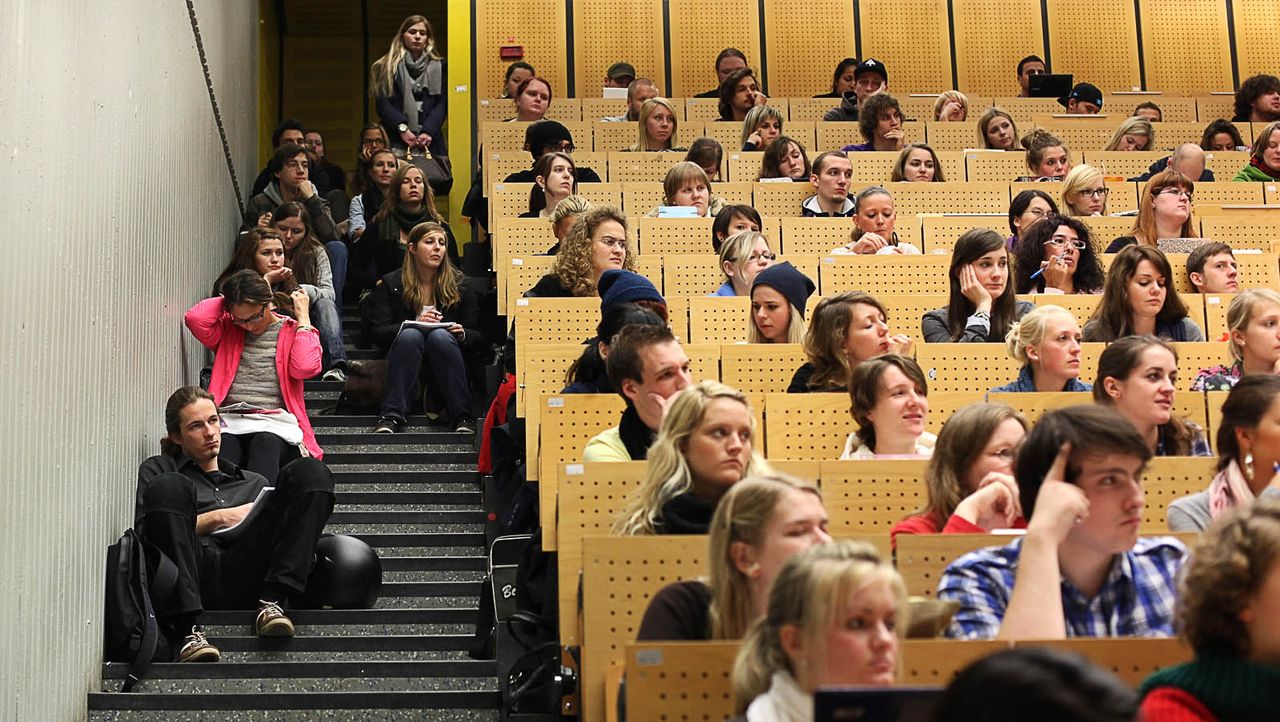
(442, 498)
(407, 517)
(394, 476)
(323, 420)
(302, 670)
(400, 457)
(278, 685)
(297, 700)
(357, 643)
(434, 564)
(422, 539)
(432, 438)
(440, 615)
(431, 589)
(320, 385)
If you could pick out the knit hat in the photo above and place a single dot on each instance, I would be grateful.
(543, 133)
(785, 279)
(619, 286)
(1085, 93)
(871, 65)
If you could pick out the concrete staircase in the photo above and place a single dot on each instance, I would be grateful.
(414, 497)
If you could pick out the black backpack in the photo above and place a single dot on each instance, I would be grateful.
(131, 632)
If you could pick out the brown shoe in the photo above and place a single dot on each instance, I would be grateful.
(272, 621)
(195, 648)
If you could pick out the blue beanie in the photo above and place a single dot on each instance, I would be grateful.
(618, 286)
(785, 279)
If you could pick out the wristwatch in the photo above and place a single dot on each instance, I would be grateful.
(402, 128)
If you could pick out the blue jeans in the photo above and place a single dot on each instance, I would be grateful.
(324, 316)
(443, 356)
(338, 255)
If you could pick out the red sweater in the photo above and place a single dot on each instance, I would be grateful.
(1170, 704)
(927, 524)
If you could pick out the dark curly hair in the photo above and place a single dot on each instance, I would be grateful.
(1088, 277)
(871, 110)
(1252, 89)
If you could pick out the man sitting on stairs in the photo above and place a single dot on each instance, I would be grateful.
(233, 538)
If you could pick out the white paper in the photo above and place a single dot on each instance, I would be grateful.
(262, 494)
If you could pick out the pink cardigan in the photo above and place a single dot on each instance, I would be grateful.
(298, 358)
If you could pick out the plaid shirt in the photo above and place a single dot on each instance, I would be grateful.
(1136, 600)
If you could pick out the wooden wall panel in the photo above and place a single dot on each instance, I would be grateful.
(1257, 43)
(607, 31)
(805, 40)
(990, 39)
(1080, 46)
(911, 38)
(324, 88)
(1185, 46)
(694, 50)
(538, 25)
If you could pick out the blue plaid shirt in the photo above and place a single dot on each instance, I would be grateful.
(1136, 600)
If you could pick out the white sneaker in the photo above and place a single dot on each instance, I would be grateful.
(335, 374)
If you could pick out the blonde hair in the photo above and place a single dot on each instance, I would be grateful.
(383, 71)
(1145, 228)
(1030, 330)
(984, 122)
(736, 249)
(682, 173)
(647, 109)
(574, 205)
(742, 516)
(1036, 142)
(1077, 179)
(796, 327)
(446, 283)
(947, 96)
(809, 593)
(756, 116)
(1136, 125)
(573, 262)
(1241, 312)
(667, 474)
(961, 441)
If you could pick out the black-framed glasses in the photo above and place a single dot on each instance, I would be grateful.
(1177, 192)
(251, 319)
(1094, 192)
(1064, 241)
(757, 257)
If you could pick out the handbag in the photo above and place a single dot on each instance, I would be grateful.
(435, 168)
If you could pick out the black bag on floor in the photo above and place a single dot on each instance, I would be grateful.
(365, 387)
(133, 591)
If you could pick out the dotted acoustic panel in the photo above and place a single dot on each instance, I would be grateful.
(1185, 45)
(1227, 192)
(1215, 315)
(1124, 163)
(869, 497)
(1169, 478)
(805, 40)
(953, 137)
(712, 319)
(951, 368)
(910, 37)
(693, 49)
(1236, 231)
(990, 39)
(1257, 45)
(1096, 42)
(537, 25)
(607, 31)
(886, 274)
(760, 368)
(680, 682)
(1220, 105)
(1172, 109)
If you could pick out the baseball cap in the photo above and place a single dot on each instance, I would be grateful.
(1083, 92)
(621, 70)
(871, 65)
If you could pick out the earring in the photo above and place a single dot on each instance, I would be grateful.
(753, 569)
(1248, 464)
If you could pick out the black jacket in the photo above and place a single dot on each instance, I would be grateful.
(389, 310)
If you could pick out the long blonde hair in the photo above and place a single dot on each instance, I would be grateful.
(667, 474)
(573, 262)
(1075, 181)
(1136, 125)
(1030, 330)
(809, 593)
(742, 516)
(1241, 312)
(445, 286)
(796, 327)
(382, 75)
(758, 115)
(647, 109)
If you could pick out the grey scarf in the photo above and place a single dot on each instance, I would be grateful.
(414, 76)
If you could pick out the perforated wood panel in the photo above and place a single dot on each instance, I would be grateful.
(911, 38)
(760, 368)
(1172, 135)
(1195, 356)
(1130, 659)
(1185, 45)
(806, 426)
(941, 231)
(1212, 107)
(811, 49)
(903, 311)
(812, 109)
(780, 199)
(814, 235)
(1081, 306)
(694, 49)
(834, 135)
(965, 366)
(701, 109)
(620, 576)
(1225, 191)
(497, 137)
(594, 109)
(1120, 196)
(541, 368)
(1081, 133)
(590, 497)
(1215, 315)
(1173, 109)
(958, 197)
(934, 662)
(743, 166)
(869, 497)
(884, 274)
(1097, 42)
(1238, 231)
(921, 558)
(684, 681)
(518, 275)
(565, 425)
(1023, 109)
(718, 319)
(994, 165)
(990, 39)
(538, 25)
(1256, 269)
(951, 137)
(509, 200)
(1123, 163)
(1105, 229)
(521, 237)
(606, 31)
(621, 136)
(641, 167)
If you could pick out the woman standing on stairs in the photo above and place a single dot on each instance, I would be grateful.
(261, 359)
(426, 289)
(408, 86)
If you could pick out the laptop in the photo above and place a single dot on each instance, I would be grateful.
(1050, 85)
(875, 704)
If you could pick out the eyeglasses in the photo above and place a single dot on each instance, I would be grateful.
(564, 147)
(252, 319)
(1064, 241)
(1004, 454)
(612, 242)
(757, 257)
(1094, 192)
(1178, 192)
(296, 164)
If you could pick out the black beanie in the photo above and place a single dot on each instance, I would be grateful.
(543, 133)
(785, 279)
(618, 286)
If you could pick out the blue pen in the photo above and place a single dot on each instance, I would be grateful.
(1037, 274)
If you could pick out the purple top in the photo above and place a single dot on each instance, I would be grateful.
(857, 147)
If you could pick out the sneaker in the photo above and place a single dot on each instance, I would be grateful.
(465, 426)
(195, 648)
(388, 425)
(272, 621)
(335, 374)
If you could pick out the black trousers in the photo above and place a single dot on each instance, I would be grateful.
(262, 452)
(274, 548)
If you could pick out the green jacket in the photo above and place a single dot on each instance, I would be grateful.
(1250, 173)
